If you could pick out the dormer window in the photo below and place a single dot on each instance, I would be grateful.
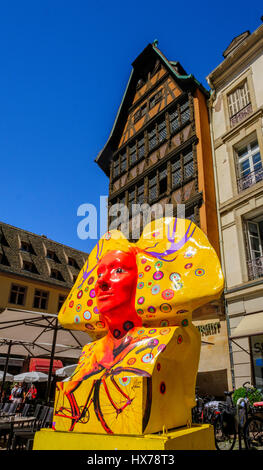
(52, 255)
(56, 274)
(26, 246)
(73, 262)
(30, 267)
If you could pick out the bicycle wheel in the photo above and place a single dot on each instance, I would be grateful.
(225, 432)
(253, 433)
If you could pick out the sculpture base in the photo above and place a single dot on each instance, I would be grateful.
(198, 437)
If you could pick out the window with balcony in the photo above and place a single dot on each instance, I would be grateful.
(249, 165)
(239, 105)
(255, 248)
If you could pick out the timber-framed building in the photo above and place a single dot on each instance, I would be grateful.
(159, 152)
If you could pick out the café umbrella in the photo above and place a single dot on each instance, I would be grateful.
(8, 377)
(30, 377)
(66, 371)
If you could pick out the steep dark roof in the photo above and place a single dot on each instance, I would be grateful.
(20, 249)
(148, 55)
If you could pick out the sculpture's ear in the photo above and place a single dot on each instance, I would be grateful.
(189, 274)
(80, 310)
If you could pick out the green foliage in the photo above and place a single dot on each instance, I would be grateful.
(252, 393)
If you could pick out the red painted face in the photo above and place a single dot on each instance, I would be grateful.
(116, 285)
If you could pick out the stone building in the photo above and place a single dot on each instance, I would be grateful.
(159, 153)
(36, 273)
(236, 116)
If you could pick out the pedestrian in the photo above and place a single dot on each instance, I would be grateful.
(18, 394)
(31, 394)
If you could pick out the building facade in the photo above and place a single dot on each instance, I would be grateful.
(36, 273)
(236, 116)
(159, 153)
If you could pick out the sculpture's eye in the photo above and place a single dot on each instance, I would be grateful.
(100, 274)
(119, 270)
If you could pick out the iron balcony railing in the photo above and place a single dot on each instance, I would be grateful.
(252, 178)
(255, 268)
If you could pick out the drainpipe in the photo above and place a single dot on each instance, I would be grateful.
(210, 104)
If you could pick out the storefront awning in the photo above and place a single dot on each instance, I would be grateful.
(250, 325)
(42, 365)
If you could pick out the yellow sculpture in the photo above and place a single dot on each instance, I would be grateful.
(136, 301)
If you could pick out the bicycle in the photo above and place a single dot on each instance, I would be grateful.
(240, 420)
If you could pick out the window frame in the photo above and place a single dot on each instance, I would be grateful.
(17, 294)
(41, 298)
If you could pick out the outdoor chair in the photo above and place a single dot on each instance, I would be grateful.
(47, 423)
(21, 435)
(25, 410)
(12, 409)
(5, 408)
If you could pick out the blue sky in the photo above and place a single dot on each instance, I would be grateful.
(64, 69)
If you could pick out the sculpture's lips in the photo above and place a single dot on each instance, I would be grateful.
(104, 295)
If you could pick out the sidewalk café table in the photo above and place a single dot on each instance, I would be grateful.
(13, 422)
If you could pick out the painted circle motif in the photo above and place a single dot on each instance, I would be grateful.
(144, 260)
(167, 294)
(80, 294)
(131, 361)
(178, 285)
(76, 319)
(147, 358)
(140, 285)
(96, 310)
(71, 303)
(162, 388)
(199, 272)
(158, 366)
(158, 275)
(151, 332)
(140, 332)
(89, 303)
(91, 280)
(156, 289)
(158, 264)
(151, 309)
(124, 381)
(155, 234)
(78, 307)
(140, 275)
(165, 331)
(128, 325)
(150, 283)
(86, 289)
(89, 327)
(165, 308)
(92, 293)
(181, 311)
(161, 348)
(147, 268)
(140, 300)
(188, 265)
(87, 315)
(164, 323)
(116, 333)
(100, 324)
(175, 277)
(140, 311)
(179, 339)
(184, 322)
(107, 236)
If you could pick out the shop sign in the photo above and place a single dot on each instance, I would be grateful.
(209, 329)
